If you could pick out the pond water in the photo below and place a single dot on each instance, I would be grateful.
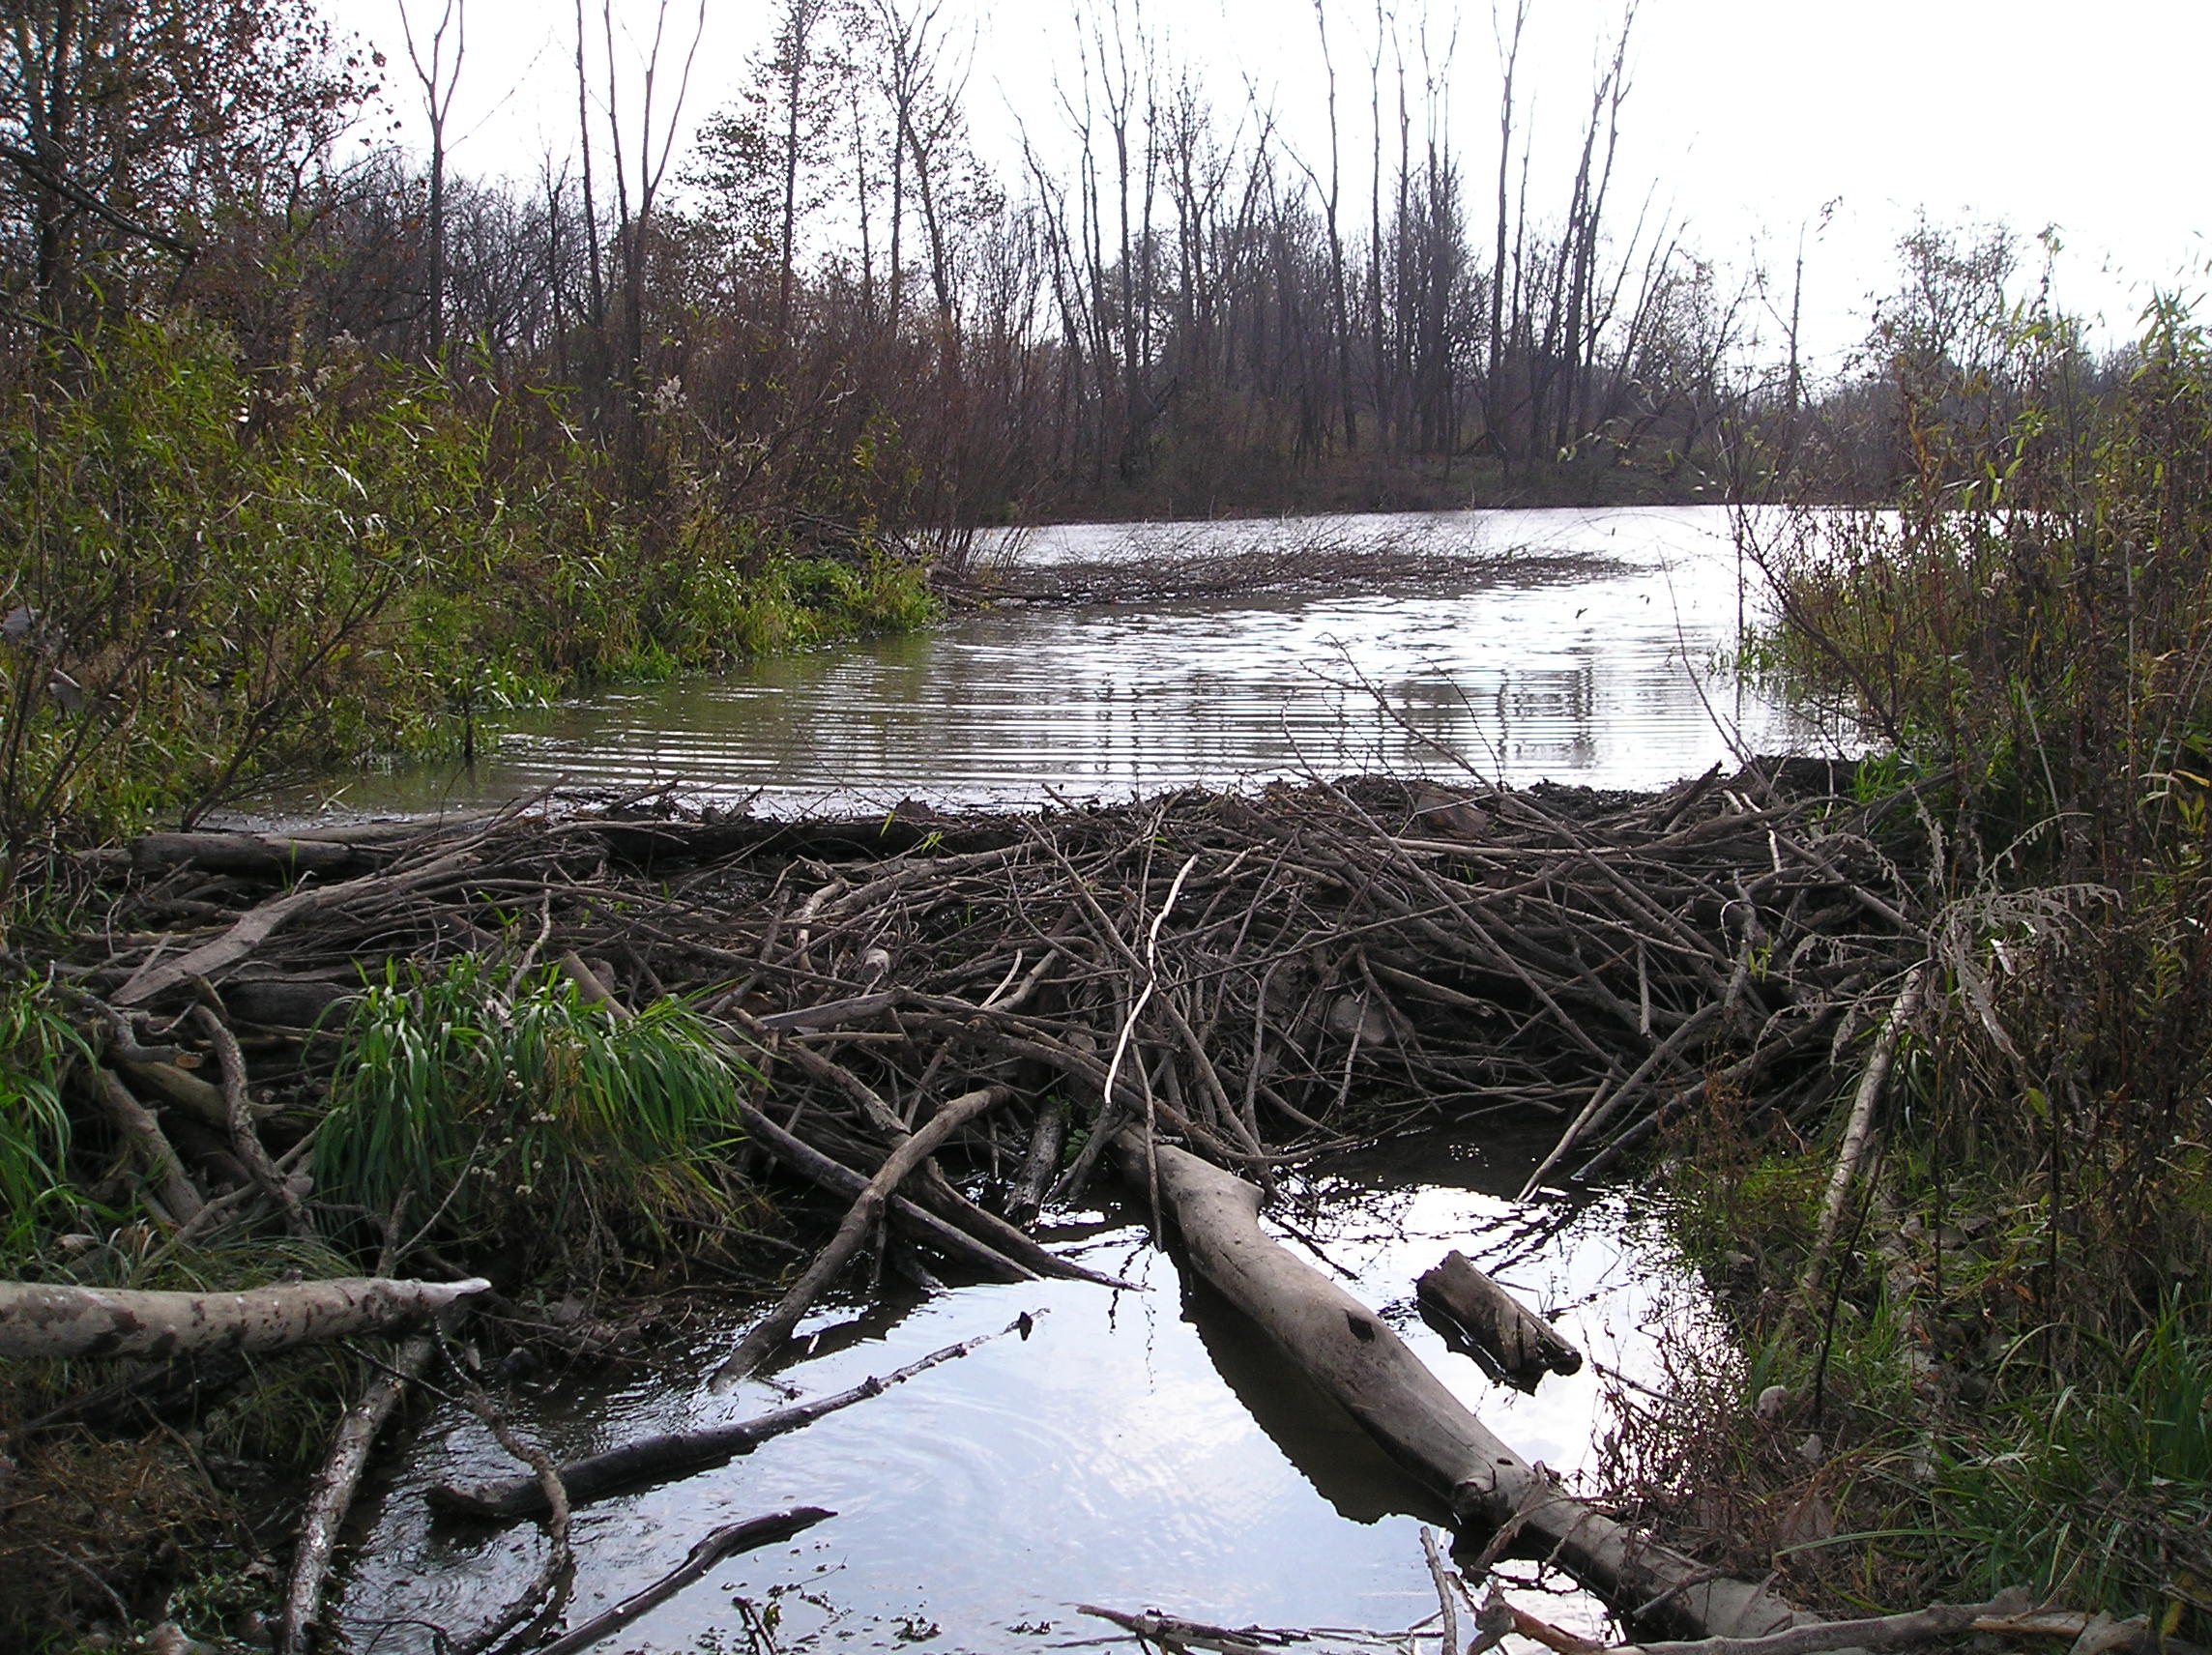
(1611, 676)
(1139, 1450)
(1142, 1449)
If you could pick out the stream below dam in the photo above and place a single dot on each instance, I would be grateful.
(1141, 1449)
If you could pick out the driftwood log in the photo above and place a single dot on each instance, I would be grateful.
(1517, 1343)
(38, 1319)
(1353, 1357)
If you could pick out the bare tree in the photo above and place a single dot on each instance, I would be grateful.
(655, 145)
(440, 80)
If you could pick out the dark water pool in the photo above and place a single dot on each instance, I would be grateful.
(1141, 1450)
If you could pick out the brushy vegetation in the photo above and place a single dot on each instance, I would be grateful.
(96, 1517)
(2007, 1381)
(524, 1125)
(213, 571)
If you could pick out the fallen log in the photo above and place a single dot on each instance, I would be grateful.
(1873, 1632)
(334, 1491)
(1355, 1357)
(1519, 1343)
(679, 1453)
(775, 1328)
(244, 854)
(39, 1320)
(725, 1542)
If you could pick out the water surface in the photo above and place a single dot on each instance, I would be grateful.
(1612, 678)
(1141, 1450)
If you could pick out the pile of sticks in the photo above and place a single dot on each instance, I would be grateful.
(1166, 564)
(1263, 977)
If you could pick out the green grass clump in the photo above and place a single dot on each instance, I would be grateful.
(2098, 1493)
(36, 1045)
(523, 1123)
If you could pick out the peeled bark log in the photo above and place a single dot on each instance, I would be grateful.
(1855, 1131)
(1520, 1344)
(1357, 1358)
(45, 1321)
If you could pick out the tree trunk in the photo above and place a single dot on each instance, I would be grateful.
(1352, 1355)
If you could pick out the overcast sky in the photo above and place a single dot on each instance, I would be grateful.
(1747, 119)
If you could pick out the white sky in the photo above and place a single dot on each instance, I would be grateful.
(1747, 117)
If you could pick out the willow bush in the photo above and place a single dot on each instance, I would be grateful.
(2030, 634)
(210, 572)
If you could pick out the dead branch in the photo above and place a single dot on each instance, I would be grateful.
(675, 1454)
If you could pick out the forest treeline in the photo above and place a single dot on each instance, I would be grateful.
(831, 304)
(315, 446)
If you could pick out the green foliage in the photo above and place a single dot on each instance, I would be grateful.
(36, 1045)
(518, 1118)
(213, 571)
(2098, 1492)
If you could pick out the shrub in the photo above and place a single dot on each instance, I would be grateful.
(519, 1119)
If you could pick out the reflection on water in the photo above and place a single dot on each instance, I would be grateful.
(1140, 1450)
(1608, 679)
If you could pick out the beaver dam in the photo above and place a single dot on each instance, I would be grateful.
(612, 1064)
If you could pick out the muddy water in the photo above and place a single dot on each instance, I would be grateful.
(1609, 679)
(1140, 1449)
